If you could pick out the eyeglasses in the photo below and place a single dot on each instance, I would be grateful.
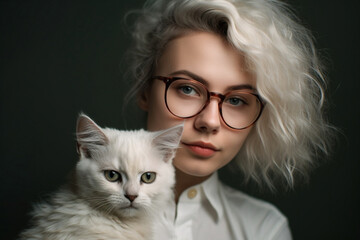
(185, 98)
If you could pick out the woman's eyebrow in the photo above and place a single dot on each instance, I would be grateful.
(241, 87)
(191, 75)
(203, 81)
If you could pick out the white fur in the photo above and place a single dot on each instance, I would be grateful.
(91, 207)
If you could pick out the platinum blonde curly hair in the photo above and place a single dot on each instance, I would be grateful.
(292, 131)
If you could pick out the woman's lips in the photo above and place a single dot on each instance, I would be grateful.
(201, 149)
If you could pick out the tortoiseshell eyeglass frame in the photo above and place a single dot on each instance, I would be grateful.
(169, 80)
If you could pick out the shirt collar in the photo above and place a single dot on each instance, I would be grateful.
(211, 190)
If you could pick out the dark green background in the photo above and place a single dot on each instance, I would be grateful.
(62, 57)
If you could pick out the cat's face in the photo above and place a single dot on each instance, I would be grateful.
(125, 173)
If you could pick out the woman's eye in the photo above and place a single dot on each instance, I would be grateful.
(112, 176)
(188, 90)
(235, 101)
(148, 177)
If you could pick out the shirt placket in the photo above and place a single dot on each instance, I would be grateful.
(187, 208)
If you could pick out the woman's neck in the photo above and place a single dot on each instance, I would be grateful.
(185, 181)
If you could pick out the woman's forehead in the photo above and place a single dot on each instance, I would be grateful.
(206, 55)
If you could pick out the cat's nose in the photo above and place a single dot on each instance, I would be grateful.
(131, 197)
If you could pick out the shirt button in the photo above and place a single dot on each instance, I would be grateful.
(192, 193)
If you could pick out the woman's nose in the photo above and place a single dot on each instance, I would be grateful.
(208, 120)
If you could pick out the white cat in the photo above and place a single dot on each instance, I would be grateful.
(120, 183)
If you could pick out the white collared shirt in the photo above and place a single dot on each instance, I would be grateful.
(212, 210)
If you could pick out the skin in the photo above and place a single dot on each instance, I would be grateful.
(209, 57)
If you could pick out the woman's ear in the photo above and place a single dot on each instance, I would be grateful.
(142, 100)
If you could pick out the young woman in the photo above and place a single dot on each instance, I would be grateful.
(244, 78)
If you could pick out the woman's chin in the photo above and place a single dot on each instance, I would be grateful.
(196, 170)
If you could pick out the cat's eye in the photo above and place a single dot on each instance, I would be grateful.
(112, 176)
(148, 177)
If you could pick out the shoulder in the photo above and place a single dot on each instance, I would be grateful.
(248, 204)
(257, 218)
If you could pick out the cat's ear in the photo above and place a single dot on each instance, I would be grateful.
(167, 141)
(89, 136)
